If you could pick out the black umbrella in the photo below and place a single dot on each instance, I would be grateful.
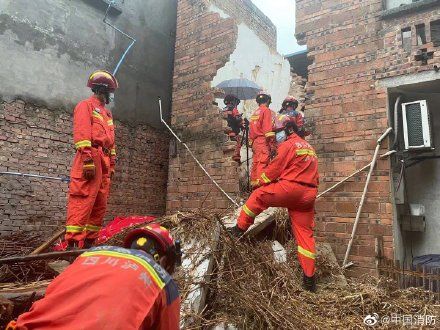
(244, 89)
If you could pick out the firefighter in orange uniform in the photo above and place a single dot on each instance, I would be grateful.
(236, 123)
(94, 163)
(291, 181)
(114, 288)
(261, 136)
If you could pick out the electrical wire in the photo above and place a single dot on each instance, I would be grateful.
(195, 158)
(133, 40)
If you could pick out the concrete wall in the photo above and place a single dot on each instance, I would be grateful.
(423, 187)
(49, 47)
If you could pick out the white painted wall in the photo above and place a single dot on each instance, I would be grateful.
(254, 60)
(423, 187)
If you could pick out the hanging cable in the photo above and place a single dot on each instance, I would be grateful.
(62, 179)
(194, 157)
(133, 40)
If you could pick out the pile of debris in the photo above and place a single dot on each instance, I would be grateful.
(23, 243)
(250, 284)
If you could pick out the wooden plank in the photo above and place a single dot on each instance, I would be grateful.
(49, 242)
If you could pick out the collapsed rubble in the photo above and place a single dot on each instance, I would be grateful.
(245, 285)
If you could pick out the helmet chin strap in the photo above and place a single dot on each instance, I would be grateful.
(107, 97)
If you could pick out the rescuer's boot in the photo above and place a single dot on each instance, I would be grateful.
(309, 283)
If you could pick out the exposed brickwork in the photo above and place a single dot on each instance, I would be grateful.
(38, 140)
(245, 11)
(352, 48)
(204, 43)
(297, 87)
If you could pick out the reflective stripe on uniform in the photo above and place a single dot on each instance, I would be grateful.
(255, 117)
(89, 166)
(306, 152)
(74, 229)
(97, 115)
(255, 183)
(113, 152)
(156, 278)
(92, 228)
(269, 134)
(306, 253)
(265, 178)
(248, 211)
(83, 144)
(110, 122)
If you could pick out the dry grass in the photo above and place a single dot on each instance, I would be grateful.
(252, 291)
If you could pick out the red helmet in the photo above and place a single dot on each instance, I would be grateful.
(290, 101)
(104, 80)
(263, 97)
(137, 239)
(294, 120)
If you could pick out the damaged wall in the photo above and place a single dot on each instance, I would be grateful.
(216, 41)
(48, 48)
(38, 140)
(353, 46)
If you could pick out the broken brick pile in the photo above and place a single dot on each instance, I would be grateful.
(37, 140)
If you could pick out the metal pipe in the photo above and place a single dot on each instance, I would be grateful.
(133, 40)
(42, 256)
(389, 153)
(194, 157)
(396, 121)
(62, 179)
(361, 204)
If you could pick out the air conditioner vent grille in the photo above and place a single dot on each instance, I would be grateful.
(415, 124)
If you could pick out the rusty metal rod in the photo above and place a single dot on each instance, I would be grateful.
(364, 194)
(46, 244)
(42, 256)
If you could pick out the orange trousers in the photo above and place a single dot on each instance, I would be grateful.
(260, 158)
(300, 202)
(88, 200)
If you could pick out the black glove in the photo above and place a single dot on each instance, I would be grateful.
(236, 232)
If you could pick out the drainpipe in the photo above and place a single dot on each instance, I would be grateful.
(396, 121)
(133, 40)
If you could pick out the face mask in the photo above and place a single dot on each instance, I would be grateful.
(281, 136)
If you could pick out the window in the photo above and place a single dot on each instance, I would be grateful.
(435, 33)
(406, 39)
(421, 35)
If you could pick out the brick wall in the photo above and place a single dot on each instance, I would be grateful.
(38, 140)
(204, 43)
(350, 114)
(353, 46)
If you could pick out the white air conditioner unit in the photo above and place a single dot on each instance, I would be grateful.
(416, 125)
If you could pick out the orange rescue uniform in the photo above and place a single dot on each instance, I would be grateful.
(94, 138)
(290, 181)
(261, 134)
(108, 288)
